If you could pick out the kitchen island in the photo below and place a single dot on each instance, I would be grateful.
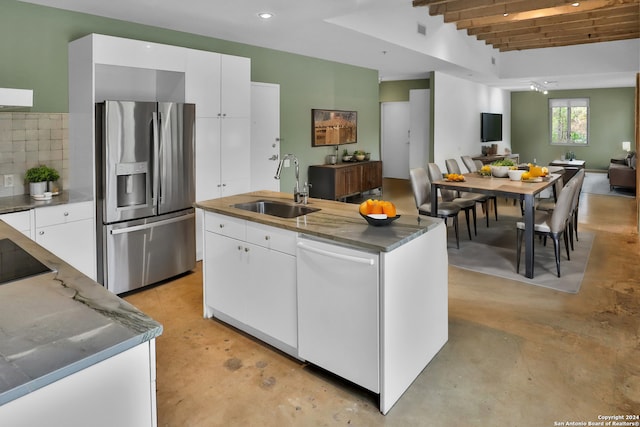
(364, 302)
(71, 352)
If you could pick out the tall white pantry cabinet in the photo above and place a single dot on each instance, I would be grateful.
(104, 67)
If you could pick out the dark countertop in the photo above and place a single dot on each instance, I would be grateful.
(56, 324)
(25, 202)
(336, 221)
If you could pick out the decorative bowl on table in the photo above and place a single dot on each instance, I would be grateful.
(379, 219)
(515, 174)
(360, 157)
(347, 158)
(500, 171)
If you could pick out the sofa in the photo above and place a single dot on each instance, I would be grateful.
(622, 172)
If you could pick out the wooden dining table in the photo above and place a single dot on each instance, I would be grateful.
(503, 187)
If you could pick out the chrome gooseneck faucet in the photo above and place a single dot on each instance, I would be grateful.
(298, 196)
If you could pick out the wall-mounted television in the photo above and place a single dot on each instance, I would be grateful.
(491, 127)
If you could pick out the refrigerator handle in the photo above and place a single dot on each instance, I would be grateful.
(155, 196)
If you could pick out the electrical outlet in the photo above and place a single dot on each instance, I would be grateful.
(287, 163)
(8, 180)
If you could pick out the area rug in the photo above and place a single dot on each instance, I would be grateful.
(598, 183)
(493, 251)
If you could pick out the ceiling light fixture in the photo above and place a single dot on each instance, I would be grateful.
(537, 87)
(265, 15)
(575, 4)
(505, 14)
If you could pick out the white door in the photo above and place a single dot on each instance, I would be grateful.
(395, 139)
(265, 136)
(419, 128)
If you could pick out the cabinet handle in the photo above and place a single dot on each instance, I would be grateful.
(359, 260)
(239, 247)
(246, 249)
(41, 233)
(221, 225)
(66, 214)
(267, 237)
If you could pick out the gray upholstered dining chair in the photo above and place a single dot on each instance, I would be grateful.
(422, 194)
(483, 199)
(435, 174)
(469, 163)
(575, 204)
(549, 204)
(553, 225)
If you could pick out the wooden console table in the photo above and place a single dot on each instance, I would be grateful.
(571, 167)
(339, 181)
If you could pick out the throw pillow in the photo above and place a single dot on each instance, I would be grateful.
(632, 162)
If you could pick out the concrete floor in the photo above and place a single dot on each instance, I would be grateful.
(517, 355)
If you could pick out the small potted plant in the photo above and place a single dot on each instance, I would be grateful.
(39, 178)
(359, 154)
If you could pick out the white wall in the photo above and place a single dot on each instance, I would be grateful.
(457, 107)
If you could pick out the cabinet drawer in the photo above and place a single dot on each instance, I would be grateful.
(63, 213)
(272, 238)
(225, 225)
(21, 221)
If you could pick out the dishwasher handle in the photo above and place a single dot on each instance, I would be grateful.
(152, 224)
(359, 260)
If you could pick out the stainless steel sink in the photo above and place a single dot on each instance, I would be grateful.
(273, 208)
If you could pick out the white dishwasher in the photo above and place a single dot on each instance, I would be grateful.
(338, 310)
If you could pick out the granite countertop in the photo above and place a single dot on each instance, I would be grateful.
(58, 323)
(25, 202)
(336, 221)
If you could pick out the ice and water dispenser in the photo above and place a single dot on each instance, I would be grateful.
(132, 184)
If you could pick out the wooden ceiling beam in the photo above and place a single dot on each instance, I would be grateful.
(566, 42)
(589, 25)
(533, 24)
(622, 13)
(559, 35)
(473, 20)
(465, 9)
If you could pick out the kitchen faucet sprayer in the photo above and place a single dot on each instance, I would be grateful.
(298, 196)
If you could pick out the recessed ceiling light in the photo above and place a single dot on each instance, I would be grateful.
(575, 4)
(505, 14)
(265, 15)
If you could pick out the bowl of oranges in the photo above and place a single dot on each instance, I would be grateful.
(535, 173)
(378, 212)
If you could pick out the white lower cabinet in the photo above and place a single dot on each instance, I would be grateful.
(21, 221)
(118, 391)
(250, 280)
(68, 231)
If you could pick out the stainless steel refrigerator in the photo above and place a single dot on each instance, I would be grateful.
(145, 188)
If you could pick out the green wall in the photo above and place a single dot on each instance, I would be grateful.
(398, 90)
(34, 41)
(610, 122)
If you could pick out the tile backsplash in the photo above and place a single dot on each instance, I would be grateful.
(28, 140)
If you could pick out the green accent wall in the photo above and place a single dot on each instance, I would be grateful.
(398, 90)
(611, 121)
(34, 44)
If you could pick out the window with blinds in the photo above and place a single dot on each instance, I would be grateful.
(569, 119)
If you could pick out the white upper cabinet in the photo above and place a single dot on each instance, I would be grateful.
(138, 54)
(236, 86)
(202, 82)
(219, 85)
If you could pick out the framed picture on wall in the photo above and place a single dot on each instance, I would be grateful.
(333, 127)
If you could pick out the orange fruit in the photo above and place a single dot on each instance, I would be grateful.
(389, 209)
(525, 176)
(376, 207)
(364, 208)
